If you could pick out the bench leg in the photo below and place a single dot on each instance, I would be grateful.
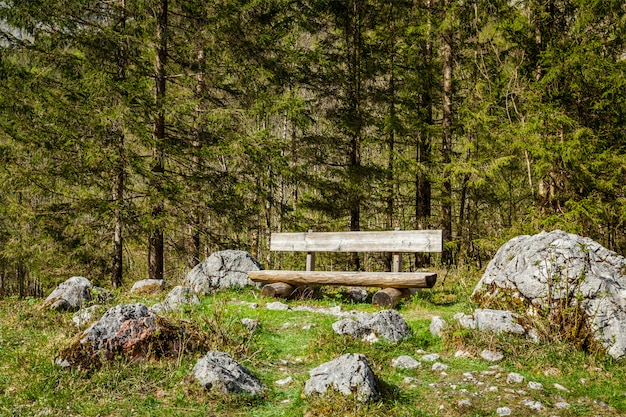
(277, 290)
(389, 297)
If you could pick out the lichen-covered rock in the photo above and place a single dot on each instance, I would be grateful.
(132, 331)
(70, 295)
(557, 270)
(386, 324)
(218, 370)
(176, 298)
(348, 374)
(148, 286)
(225, 269)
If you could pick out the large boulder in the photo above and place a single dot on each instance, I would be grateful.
(176, 298)
(217, 370)
(225, 269)
(386, 324)
(348, 374)
(70, 295)
(148, 286)
(132, 331)
(565, 275)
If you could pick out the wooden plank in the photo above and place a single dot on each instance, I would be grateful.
(362, 279)
(389, 241)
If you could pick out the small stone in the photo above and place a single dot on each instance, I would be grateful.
(562, 405)
(520, 392)
(467, 376)
(491, 356)
(464, 403)
(306, 327)
(496, 368)
(533, 405)
(503, 411)
(287, 325)
(560, 387)
(535, 385)
(514, 378)
(438, 366)
(437, 325)
(405, 362)
(253, 305)
(430, 357)
(250, 324)
(583, 381)
(552, 372)
(277, 305)
(492, 389)
(462, 354)
(411, 380)
(283, 382)
(371, 338)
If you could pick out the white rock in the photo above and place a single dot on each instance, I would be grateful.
(503, 411)
(491, 356)
(462, 354)
(283, 382)
(277, 306)
(405, 362)
(533, 405)
(438, 366)
(514, 378)
(371, 338)
(560, 387)
(437, 324)
(432, 357)
(250, 324)
(562, 405)
(224, 269)
(566, 265)
(464, 403)
(535, 385)
(497, 321)
(349, 374)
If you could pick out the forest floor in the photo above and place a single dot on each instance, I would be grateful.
(287, 344)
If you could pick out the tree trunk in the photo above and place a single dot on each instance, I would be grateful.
(155, 250)
(117, 273)
(446, 149)
(354, 45)
(423, 148)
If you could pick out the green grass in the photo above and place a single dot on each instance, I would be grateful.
(32, 385)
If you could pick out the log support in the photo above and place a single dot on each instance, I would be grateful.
(389, 297)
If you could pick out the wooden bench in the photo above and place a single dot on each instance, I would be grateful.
(395, 284)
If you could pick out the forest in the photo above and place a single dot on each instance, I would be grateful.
(139, 136)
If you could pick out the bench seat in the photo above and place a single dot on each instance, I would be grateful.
(349, 278)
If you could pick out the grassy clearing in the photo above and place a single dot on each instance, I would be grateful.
(290, 343)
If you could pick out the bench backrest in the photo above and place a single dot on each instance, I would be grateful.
(389, 241)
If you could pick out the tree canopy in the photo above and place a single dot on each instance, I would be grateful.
(137, 137)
